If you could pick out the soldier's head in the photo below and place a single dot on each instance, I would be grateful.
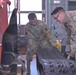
(32, 18)
(58, 14)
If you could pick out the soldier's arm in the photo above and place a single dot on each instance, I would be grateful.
(31, 45)
(49, 35)
(68, 30)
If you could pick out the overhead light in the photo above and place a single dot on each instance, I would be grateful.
(57, 1)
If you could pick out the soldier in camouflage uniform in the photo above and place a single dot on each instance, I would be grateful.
(68, 19)
(37, 35)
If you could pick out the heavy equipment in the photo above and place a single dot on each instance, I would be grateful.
(11, 62)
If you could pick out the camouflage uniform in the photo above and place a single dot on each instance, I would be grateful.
(70, 27)
(37, 36)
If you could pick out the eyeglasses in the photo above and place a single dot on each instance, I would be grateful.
(57, 16)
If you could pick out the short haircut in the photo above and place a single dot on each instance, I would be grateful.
(31, 16)
(56, 10)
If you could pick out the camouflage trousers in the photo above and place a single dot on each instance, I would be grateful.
(73, 50)
(73, 46)
(29, 58)
(73, 54)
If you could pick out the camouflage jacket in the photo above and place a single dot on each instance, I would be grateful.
(38, 35)
(70, 27)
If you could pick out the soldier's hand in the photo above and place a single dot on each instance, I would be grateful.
(68, 52)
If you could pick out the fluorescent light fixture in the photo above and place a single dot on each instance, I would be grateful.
(57, 1)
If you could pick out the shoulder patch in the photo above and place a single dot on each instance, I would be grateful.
(46, 29)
